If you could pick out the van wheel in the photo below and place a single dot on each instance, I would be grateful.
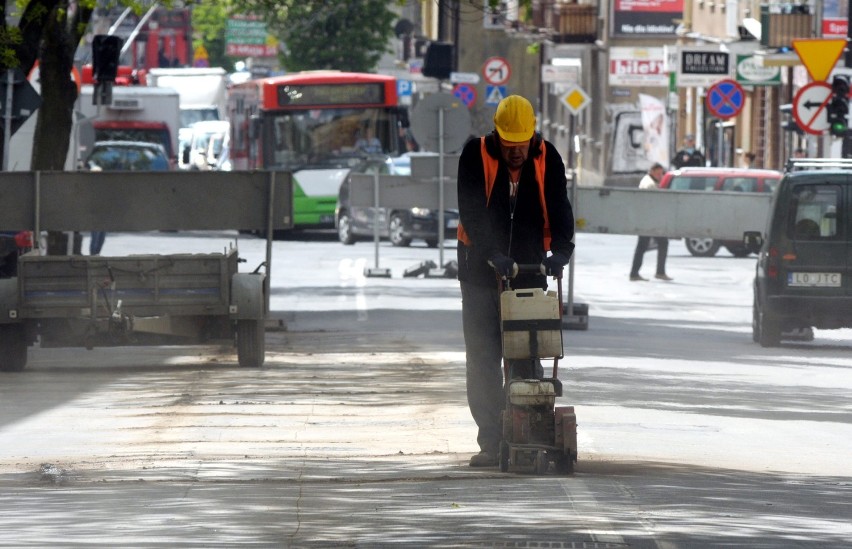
(395, 231)
(13, 348)
(344, 229)
(702, 247)
(738, 251)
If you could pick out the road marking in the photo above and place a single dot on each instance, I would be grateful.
(353, 270)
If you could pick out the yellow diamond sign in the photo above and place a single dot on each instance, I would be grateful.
(575, 99)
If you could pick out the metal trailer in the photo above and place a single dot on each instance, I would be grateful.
(95, 301)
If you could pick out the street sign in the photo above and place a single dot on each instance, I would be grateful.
(751, 73)
(560, 73)
(819, 55)
(809, 107)
(496, 71)
(403, 88)
(426, 124)
(25, 100)
(702, 66)
(575, 99)
(494, 94)
(725, 99)
(467, 94)
(464, 78)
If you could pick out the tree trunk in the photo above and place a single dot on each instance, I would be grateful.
(55, 119)
(58, 92)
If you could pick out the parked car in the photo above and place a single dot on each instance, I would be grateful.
(719, 179)
(127, 156)
(803, 278)
(399, 226)
(13, 244)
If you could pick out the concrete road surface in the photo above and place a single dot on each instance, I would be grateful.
(356, 432)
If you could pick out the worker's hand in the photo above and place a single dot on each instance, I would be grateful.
(504, 266)
(553, 265)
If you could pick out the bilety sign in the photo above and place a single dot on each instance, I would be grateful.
(701, 66)
(750, 72)
(637, 67)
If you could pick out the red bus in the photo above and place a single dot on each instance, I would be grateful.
(318, 125)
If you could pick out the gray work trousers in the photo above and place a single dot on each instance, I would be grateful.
(484, 359)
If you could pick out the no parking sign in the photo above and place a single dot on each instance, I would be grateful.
(466, 93)
(725, 99)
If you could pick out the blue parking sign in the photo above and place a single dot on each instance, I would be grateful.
(403, 88)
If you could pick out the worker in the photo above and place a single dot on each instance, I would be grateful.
(513, 208)
(689, 155)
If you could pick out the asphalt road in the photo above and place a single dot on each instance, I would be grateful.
(356, 432)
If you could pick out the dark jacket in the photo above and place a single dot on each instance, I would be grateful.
(492, 229)
(684, 158)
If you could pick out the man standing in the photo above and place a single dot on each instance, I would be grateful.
(651, 180)
(688, 155)
(513, 209)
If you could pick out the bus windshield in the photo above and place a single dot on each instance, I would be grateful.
(329, 137)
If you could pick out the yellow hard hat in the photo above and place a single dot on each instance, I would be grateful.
(515, 119)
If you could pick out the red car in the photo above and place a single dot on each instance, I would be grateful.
(719, 179)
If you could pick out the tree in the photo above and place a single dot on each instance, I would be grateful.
(318, 34)
(48, 31)
(209, 20)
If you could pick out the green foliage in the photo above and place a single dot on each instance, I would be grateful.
(209, 20)
(321, 34)
(10, 38)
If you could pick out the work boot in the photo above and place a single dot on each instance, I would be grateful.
(663, 276)
(636, 278)
(484, 459)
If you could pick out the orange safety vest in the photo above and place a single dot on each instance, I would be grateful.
(489, 168)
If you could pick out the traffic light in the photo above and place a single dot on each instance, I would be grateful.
(837, 109)
(106, 50)
(789, 123)
(438, 62)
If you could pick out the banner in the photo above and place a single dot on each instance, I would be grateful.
(655, 129)
(646, 17)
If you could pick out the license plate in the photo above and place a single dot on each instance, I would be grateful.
(818, 280)
(452, 223)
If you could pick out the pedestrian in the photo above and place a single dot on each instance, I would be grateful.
(748, 160)
(513, 208)
(688, 155)
(651, 180)
(96, 242)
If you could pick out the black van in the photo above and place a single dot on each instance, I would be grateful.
(804, 271)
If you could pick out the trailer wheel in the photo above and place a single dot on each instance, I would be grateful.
(565, 464)
(251, 343)
(541, 462)
(13, 348)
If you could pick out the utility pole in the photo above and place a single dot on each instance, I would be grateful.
(846, 148)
